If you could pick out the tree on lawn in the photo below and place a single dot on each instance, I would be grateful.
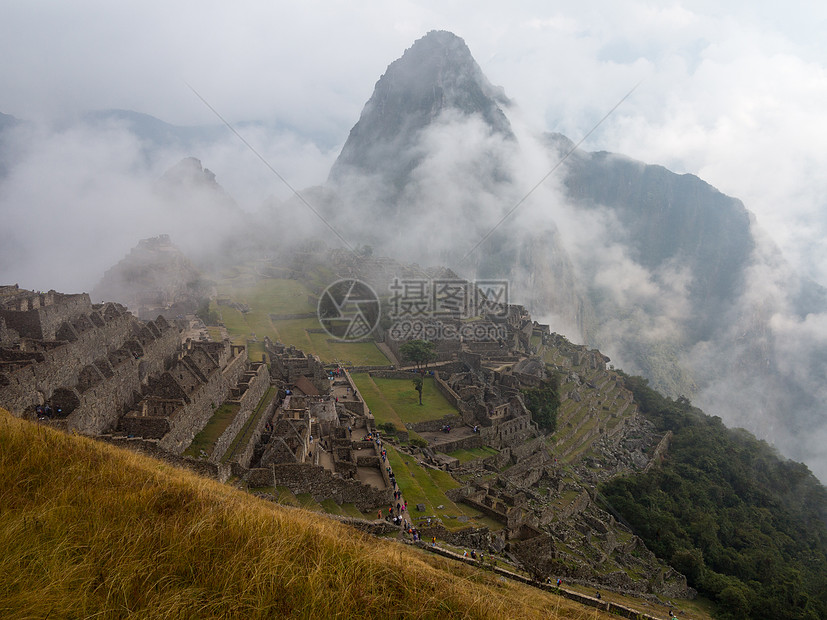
(418, 387)
(419, 352)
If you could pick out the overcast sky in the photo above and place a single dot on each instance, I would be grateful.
(735, 92)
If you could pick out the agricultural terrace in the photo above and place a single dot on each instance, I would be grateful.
(284, 310)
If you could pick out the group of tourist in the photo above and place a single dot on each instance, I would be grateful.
(45, 412)
(474, 555)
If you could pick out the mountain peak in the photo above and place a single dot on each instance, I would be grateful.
(436, 74)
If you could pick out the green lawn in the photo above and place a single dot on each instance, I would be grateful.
(285, 496)
(347, 353)
(205, 440)
(473, 453)
(396, 400)
(421, 485)
(280, 296)
(265, 297)
(306, 501)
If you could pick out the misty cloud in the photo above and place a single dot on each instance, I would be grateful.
(79, 198)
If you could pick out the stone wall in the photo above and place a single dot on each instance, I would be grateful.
(188, 420)
(59, 363)
(146, 427)
(525, 450)
(510, 433)
(289, 363)
(472, 360)
(445, 350)
(464, 443)
(450, 395)
(245, 455)
(499, 460)
(39, 316)
(235, 368)
(580, 503)
(614, 608)
(93, 377)
(486, 510)
(103, 404)
(318, 482)
(529, 470)
(433, 426)
(247, 405)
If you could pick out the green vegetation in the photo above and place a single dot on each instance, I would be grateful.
(417, 383)
(395, 400)
(744, 526)
(268, 297)
(470, 454)
(422, 485)
(205, 440)
(215, 333)
(543, 403)
(420, 352)
(206, 313)
(88, 530)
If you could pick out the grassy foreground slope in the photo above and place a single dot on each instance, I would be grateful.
(89, 530)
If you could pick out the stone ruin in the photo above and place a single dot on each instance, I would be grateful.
(288, 364)
(100, 370)
(104, 370)
(177, 403)
(87, 362)
(316, 441)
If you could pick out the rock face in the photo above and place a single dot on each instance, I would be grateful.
(154, 278)
(671, 218)
(189, 177)
(437, 73)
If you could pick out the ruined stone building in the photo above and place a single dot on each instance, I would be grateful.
(289, 364)
(88, 362)
(177, 403)
(101, 370)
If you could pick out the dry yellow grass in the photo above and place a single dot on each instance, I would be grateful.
(88, 530)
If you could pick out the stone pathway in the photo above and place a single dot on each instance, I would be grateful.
(342, 390)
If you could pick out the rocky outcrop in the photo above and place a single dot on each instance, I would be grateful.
(155, 278)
